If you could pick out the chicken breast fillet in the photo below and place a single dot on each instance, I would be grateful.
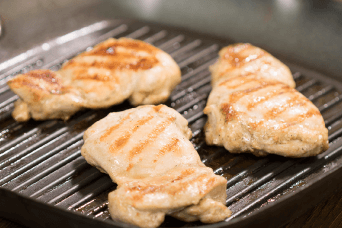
(113, 71)
(147, 152)
(257, 114)
(245, 59)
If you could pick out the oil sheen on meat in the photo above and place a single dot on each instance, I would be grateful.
(254, 108)
(147, 152)
(113, 71)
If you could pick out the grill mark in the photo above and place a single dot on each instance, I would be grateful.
(166, 179)
(228, 111)
(237, 95)
(113, 55)
(113, 128)
(243, 81)
(153, 135)
(235, 48)
(30, 84)
(157, 108)
(296, 100)
(110, 48)
(229, 80)
(36, 97)
(82, 74)
(46, 75)
(122, 141)
(97, 77)
(300, 118)
(280, 127)
(208, 185)
(118, 63)
(234, 78)
(283, 89)
(19, 82)
(227, 108)
(27, 80)
(171, 146)
(236, 58)
(255, 125)
(255, 70)
(184, 174)
(130, 166)
(289, 122)
(126, 58)
(139, 191)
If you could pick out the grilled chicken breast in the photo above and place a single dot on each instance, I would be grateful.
(245, 59)
(113, 71)
(257, 114)
(147, 152)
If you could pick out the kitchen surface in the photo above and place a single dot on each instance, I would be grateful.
(303, 33)
(325, 214)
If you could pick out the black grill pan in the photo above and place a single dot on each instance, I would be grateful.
(45, 182)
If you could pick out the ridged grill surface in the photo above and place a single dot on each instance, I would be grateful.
(42, 160)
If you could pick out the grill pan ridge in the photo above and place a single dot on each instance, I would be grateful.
(41, 164)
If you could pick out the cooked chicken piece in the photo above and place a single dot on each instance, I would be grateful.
(147, 152)
(257, 114)
(244, 59)
(110, 73)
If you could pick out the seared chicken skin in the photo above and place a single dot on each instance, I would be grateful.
(147, 152)
(257, 114)
(110, 73)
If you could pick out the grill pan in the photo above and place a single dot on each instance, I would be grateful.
(45, 182)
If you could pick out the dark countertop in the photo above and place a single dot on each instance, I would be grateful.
(327, 214)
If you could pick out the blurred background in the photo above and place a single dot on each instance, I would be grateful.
(306, 32)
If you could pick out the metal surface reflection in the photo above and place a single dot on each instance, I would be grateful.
(288, 7)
